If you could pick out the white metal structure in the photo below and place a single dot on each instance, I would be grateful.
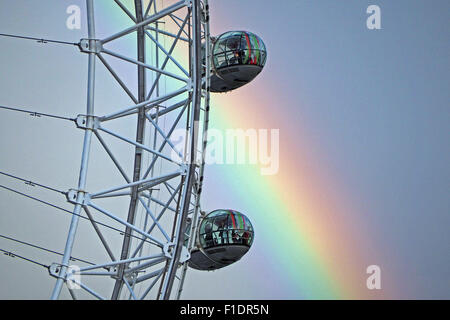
(162, 188)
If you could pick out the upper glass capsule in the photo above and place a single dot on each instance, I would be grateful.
(238, 57)
(225, 227)
(239, 48)
(224, 236)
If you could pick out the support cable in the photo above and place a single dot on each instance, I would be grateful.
(37, 114)
(39, 40)
(43, 249)
(70, 212)
(13, 255)
(32, 184)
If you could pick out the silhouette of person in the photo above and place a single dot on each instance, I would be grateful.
(208, 235)
(222, 233)
(235, 237)
(246, 238)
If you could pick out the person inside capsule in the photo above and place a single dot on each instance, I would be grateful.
(239, 47)
(208, 235)
(223, 227)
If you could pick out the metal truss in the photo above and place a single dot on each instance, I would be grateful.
(163, 186)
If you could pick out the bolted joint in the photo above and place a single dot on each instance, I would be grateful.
(55, 270)
(184, 168)
(190, 85)
(205, 14)
(90, 46)
(78, 197)
(168, 250)
(114, 270)
(185, 255)
(198, 163)
(87, 122)
(130, 277)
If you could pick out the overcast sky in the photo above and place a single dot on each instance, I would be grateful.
(377, 108)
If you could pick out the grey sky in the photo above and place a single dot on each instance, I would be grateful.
(375, 104)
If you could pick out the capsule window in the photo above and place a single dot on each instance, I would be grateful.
(248, 238)
(244, 44)
(207, 240)
(219, 238)
(246, 57)
(236, 48)
(220, 61)
(233, 58)
(254, 56)
(263, 58)
(220, 47)
(220, 223)
(233, 43)
(225, 227)
(230, 223)
(248, 225)
(254, 42)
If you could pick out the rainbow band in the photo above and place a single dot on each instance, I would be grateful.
(241, 222)
(233, 220)
(311, 257)
(258, 53)
(249, 51)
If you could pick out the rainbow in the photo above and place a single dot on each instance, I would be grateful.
(307, 237)
(298, 234)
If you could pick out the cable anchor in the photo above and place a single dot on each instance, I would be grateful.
(90, 46)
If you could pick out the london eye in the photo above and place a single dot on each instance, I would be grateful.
(147, 220)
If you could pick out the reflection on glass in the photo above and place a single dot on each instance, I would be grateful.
(225, 227)
(239, 48)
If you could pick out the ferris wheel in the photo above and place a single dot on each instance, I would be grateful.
(154, 214)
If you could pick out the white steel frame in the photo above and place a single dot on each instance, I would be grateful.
(182, 180)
